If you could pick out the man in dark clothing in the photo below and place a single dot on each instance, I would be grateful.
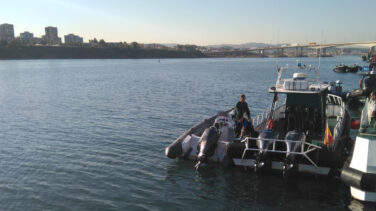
(242, 118)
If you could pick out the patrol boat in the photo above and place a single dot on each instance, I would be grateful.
(308, 133)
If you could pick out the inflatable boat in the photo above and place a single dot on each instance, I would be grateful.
(308, 132)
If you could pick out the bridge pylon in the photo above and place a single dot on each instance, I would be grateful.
(321, 52)
(279, 52)
(298, 51)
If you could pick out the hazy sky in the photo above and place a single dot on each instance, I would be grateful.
(199, 22)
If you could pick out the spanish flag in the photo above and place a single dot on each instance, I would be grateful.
(328, 140)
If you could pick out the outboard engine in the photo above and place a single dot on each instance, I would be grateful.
(207, 145)
(263, 145)
(290, 160)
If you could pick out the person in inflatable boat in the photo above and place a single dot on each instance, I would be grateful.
(242, 118)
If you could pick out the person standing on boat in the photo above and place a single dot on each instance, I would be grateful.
(372, 106)
(242, 118)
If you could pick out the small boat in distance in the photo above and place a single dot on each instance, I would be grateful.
(353, 69)
(340, 68)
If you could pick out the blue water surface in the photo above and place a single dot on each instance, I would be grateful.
(90, 135)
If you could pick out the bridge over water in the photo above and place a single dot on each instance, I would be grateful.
(299, 49)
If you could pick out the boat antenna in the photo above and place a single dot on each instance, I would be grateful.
(320, 51)
(276, 58)
(318, 67)
(277, 49)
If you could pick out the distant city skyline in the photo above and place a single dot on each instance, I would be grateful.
(197, 22)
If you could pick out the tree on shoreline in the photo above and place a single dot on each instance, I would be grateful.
(102, 43)
(135, 45)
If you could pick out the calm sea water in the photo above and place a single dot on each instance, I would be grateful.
(90, 135)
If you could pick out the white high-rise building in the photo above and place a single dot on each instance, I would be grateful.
(6, 32)
(51, 37)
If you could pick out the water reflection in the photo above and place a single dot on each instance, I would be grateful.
(358, 205)
(236, 188)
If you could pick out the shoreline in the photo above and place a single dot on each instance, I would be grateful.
(64, 52)
(50, 52)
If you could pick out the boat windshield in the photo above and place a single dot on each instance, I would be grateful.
(367, 122)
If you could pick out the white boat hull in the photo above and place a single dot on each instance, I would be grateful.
(361, 173)
(363, 195)
(277, 165)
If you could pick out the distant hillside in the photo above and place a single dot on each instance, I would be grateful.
(241, 46)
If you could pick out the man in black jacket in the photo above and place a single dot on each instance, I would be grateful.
(242, 118)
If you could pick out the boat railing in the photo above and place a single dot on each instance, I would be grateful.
(263, 116)
(303, 150)
(280, 85)
(337, 104)
(334, 99)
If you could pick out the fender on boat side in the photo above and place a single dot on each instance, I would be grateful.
(360, 180)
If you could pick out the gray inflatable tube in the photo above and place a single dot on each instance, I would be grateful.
(174, 150)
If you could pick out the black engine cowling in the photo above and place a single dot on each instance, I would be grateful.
(207, 145)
